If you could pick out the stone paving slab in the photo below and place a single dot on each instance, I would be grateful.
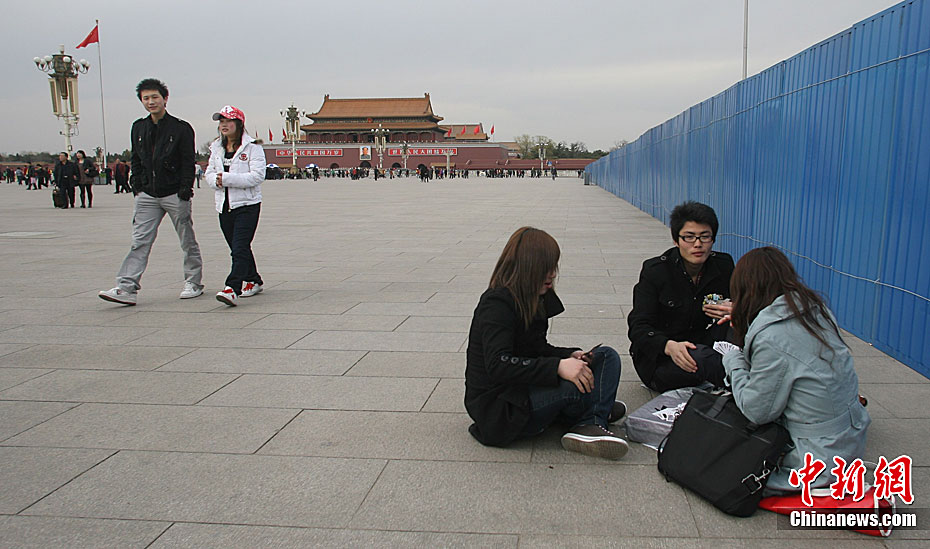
(29, 474)
(220, 536)
(93, 357)
(43, 532)
(258, 490)
(324, 392)
(328, 322)
(165, 428)
(119, 387)
(11, 377)
(381, 341)
(265, 361)
(222, 336)
(387, 435)
(410, 364)
(481, 497)
(16, 417)
(344, 377)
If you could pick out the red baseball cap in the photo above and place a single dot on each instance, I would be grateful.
(229, 112)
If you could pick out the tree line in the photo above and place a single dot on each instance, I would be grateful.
(529, 147)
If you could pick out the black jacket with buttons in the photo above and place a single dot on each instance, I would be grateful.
(504, 358)
(668, 305)
(162, 157)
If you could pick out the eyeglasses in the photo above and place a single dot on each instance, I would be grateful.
(690, 238)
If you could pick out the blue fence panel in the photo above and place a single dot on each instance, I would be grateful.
(823, 155)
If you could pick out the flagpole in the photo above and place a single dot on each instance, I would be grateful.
(103, 114)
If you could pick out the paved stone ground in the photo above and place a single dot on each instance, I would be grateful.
(328, 411)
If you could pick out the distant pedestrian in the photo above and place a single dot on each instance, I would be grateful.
(121, 172)
(162, 182)
(198, 173)
(88, 175)
(235, 171)
(67, 176)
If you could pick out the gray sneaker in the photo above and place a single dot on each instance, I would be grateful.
(594, 440)
(116, 295)
(190, 290)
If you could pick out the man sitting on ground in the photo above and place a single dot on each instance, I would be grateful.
(671, 328)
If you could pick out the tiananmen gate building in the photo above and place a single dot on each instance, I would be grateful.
(342, 135)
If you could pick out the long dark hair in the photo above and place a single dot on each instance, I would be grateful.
(759, 278)
(525, 263)
(240, 129)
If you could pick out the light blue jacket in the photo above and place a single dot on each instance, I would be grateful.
(783, 373)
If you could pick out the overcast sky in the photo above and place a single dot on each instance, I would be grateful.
(583, 70)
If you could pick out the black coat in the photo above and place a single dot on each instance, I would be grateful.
(504, 358)
(667, 305)
(67, 174)
(162, 157)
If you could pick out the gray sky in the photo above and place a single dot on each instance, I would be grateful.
(585, 70)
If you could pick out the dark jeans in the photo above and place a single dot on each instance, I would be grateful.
(69, 194)
(668, 375)
(239, 228)
(89, 190)
(567, 404)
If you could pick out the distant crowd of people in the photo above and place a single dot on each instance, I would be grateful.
(71, 178)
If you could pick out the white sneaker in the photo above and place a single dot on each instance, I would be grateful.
(227, 296)
(190, 291)
(250, 288)
(116, 295)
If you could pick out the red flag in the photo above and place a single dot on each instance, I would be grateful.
(92, 38)
(449, 133)
(463, 129)
(492, 129)
(476, 129)
(270, 136)
(284, 133)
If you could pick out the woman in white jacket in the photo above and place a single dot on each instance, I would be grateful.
(236, 171)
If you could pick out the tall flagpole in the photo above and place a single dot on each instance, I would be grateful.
(745, 36)
(103, 114)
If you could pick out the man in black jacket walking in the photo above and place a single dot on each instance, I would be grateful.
(671, 328)
(162, 181)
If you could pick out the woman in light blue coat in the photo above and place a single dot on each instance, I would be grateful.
(794, 367)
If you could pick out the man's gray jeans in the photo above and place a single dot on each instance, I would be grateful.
(146, 217)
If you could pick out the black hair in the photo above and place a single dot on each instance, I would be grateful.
(65, 153)
(693, 211)
(151, 84)
(82, 153)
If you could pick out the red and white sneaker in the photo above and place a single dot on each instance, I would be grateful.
(227, 296)
(250, 288)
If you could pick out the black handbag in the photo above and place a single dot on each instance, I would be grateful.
(715, 452)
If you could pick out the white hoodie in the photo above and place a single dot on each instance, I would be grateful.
(245, 175)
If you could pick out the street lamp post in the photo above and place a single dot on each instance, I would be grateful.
(542, 154)
(292, 122)
(380, 141)
(405, 152)
(63, 72)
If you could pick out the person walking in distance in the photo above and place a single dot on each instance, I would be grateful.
(162, 181)
(121, 173)
(236, 171)
(88, 171)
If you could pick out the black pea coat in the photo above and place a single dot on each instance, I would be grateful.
(504, 359)
(668, 305)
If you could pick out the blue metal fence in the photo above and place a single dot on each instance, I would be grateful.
(825, 155)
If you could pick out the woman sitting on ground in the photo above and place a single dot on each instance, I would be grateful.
(794, 366)
(516, 383)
